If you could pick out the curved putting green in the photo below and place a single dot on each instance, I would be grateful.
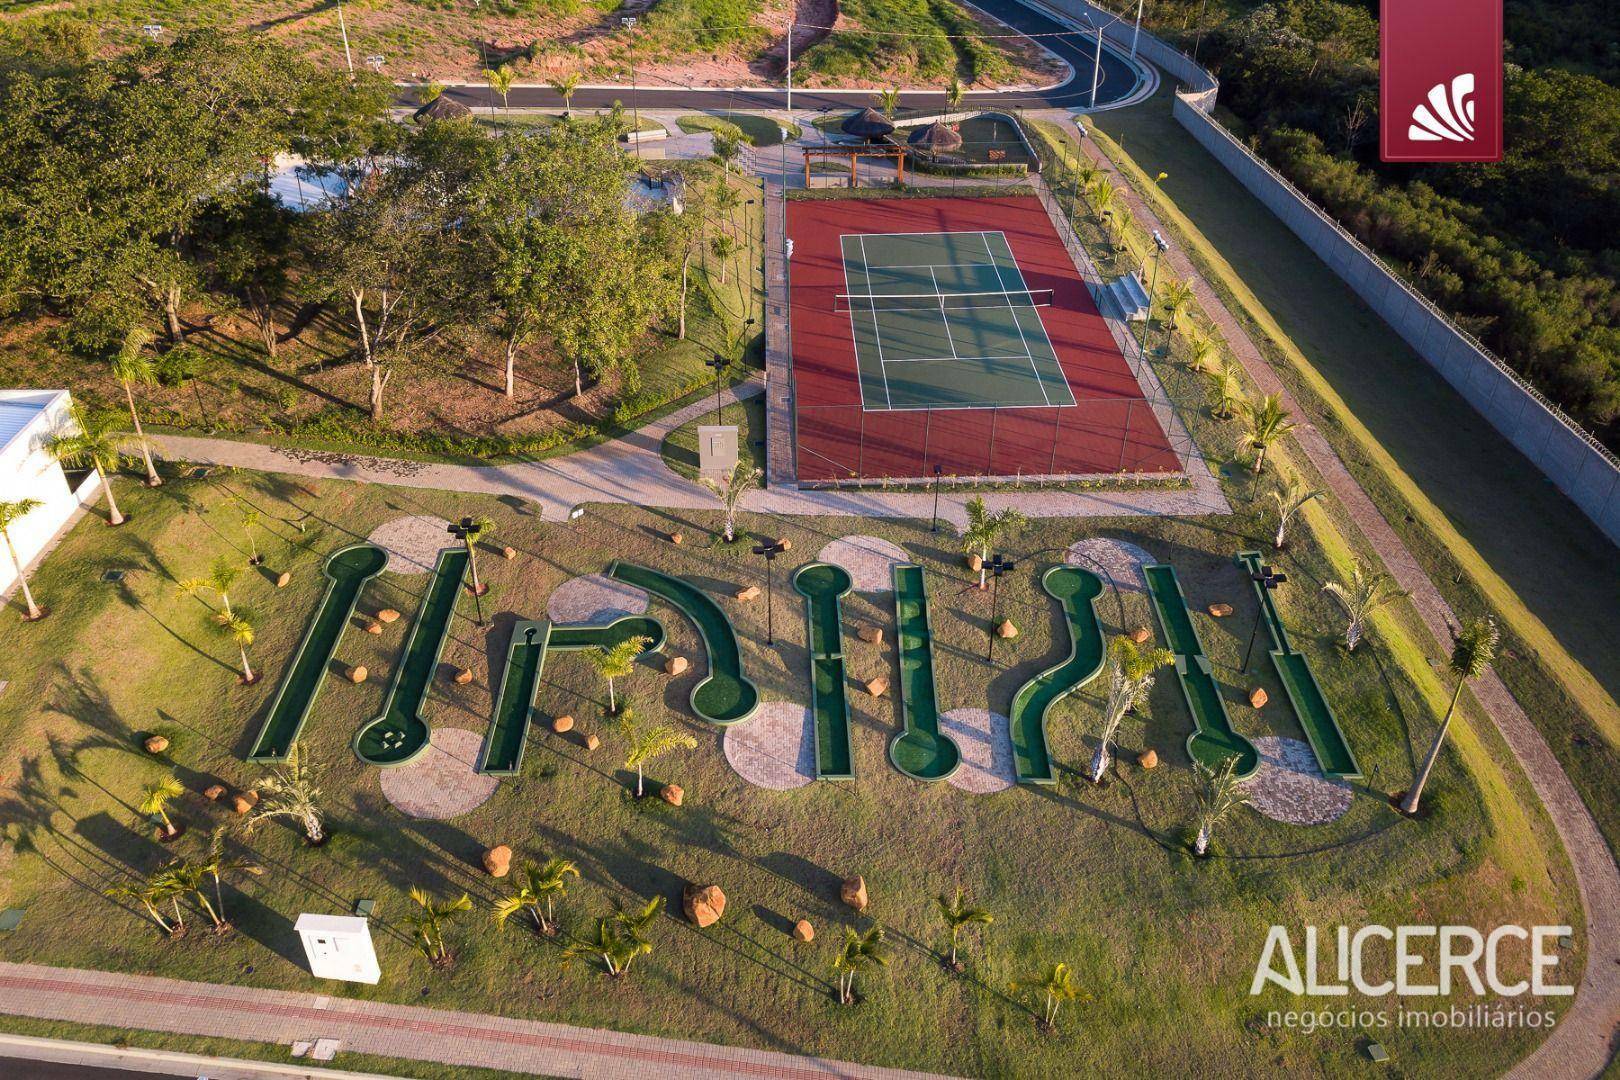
(399, 733)
(1213, 740)
(1078, 591)
(347, 571)
(724, 696)
(823, 586)
(921, 750)
(520, 680)
(1316, 719)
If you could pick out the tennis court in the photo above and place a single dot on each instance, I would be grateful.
(946, 319)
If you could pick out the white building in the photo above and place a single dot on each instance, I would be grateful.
(28, 419)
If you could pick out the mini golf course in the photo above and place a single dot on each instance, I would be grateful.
(920, 750)
(520, 681)
(1078, 591)
(823, 586)
(1212, 740)
(1322, 731)
(399, 733)
(724, 696)
(347, 571)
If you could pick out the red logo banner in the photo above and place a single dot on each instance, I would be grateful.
(1440, 80)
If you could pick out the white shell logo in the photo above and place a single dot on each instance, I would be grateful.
(1449, 114)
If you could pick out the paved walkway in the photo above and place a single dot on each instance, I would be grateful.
(1581, 1043)
(631, 471)
(396, 1031)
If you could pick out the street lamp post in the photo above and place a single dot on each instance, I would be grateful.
(1137, 30)
(1267, 578)
(770, 549)
(719, 364)
(343, 29)
(998, 565)
(461, 530)
(1160, 246)
(938, 470)
(629, 23)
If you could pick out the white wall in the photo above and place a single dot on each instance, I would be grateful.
(27, 471)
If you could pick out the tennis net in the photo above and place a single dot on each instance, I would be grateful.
(1016, 298)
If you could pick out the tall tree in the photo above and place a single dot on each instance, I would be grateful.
(646, 741)
(730, 491)
(534, 888)
(1216, 793)
(1130, 677)
(1264, 423)
(132, 365)
(428, 921)
(859, 952)
(290, 792)
(11, 512)
(957, 914)
(90, 442)
(239, 627)
(1473, 649)
(155, 800)
(1289, 498)
(1365, 592)
(1056, 985)
(565, 86)
(985, 529)
(617, 661)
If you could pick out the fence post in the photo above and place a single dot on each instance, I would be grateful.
(928, 425)
(1125, 436)
(990, 462)
(1057, 433)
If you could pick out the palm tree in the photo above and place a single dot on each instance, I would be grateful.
(954, 91)
(616, 949)
(250, 521)
(1225, 391)
(1085, 178)
(1473, 648)
(149, 894)
(1103, 197)
(860, 951)
(889, 101)
(724, 247)
(638, 921)
(1123, 218)
(534, 885)
(290, 792)
(1056, 985)
(958, 913)
(730, 490)
(155, 800)
(1216, 793)
(428, 921)
(1130, 677)
(500, 81)
(10, 513)
(565, 86)
(219, 863)
(1289, 499)
(984, 530)
(220, 578)
(473, 530)
(1202, 348)
(240, 627)
(1367, 591)
(132, 365)
(1264, 422)
(187, 878)
(617, 662)
(91, 443)
(1178, 296)
(646, 742)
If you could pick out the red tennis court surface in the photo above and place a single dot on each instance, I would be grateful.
(1110, 429)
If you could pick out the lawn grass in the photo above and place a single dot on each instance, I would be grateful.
(1490, 531)
(1094, 876)
(680, 447)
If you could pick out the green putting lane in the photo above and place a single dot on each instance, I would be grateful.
(823, 586)
(724, 696)
(520, 680)
(920, 751)
(399, 734)
(347, 571)
(1078, 591)
(1213, 739)
(1315, 715)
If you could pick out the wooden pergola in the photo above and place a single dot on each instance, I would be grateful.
(854, 153)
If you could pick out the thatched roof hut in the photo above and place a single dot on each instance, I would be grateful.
(867, 124)
(936, 138)
(441, 108)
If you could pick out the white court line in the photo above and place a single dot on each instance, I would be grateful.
(1075, 398)
(877, 335)
(943, 316)
(984, 238)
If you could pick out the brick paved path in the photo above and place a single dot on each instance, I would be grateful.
(397, 1031)
(1580, 1045)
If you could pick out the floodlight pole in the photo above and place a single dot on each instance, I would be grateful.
(718, 363)
(1137, 31)
(1160, 246)
(1096, 68)
(998, 565)
(629, 23)
(343, 29)
(770, 549)
(1267, 579)
(461, 530)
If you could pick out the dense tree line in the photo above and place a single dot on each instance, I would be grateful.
(1523, 252)
(134, 194)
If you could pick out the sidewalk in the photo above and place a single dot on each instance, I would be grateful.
(397, 1031)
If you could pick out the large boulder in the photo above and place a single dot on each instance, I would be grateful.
(1006, 629)
(358, 674)
(373, 626)
(1220, 611)
(975, 563)
(872, 635)
(803, 931)
(509, 552)
(673, 794)
(498, 861)
(463, 676)
(853, 892)
(1148, 758)
(283, 579)
(676, 665)
(214, 792)
(387, 615)
(562, 724)
(749, 593)
(879, 686)
(1141, 635)
(703, 904)
(156, 744)
(592, 742)
(1258, 697)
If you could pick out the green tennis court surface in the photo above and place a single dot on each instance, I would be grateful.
(946, 320)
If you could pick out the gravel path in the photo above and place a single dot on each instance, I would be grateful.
(870, 561)
(986, 746)
(1290, 787)
(444, 781)
(594, 600)
(1122, 559)
(413, 543)
(775, 748)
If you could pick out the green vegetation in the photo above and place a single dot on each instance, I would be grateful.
(1078, 592)
(931, 40)
(919, 749)
(749, 127)
(823, 587)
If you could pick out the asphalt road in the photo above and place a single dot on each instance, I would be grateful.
(1118, 79)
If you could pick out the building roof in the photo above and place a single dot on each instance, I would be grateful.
(936, 137)
(867, 124)
(441, 108)
(21, 410)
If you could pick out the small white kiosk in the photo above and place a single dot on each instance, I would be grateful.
(717, 449)
(338, 947)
